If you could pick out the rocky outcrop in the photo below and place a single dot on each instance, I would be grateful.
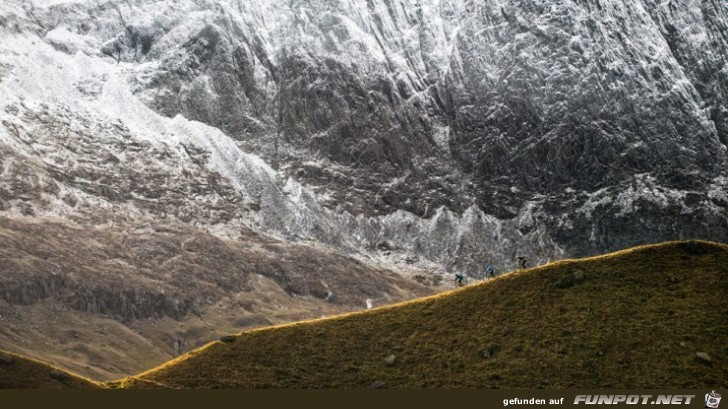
(546, 119)
(429, 104)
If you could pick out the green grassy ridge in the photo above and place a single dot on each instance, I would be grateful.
(18, 372)
(636, 321)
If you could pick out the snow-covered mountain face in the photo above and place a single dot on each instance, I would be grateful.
(437, 133)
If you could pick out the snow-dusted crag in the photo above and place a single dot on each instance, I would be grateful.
(495, 126)
(426, 134)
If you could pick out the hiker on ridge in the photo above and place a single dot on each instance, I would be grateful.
(459, 279)
(522, 260)
(490, 271)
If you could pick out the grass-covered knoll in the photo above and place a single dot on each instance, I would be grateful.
(17, 372)
(649, 317)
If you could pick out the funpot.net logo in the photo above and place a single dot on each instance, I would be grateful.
(712, 400)
(633, 399)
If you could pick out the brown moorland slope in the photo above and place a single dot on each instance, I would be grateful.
(109, 301)
(647, 317)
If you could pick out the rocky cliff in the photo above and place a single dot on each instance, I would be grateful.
(529, 114)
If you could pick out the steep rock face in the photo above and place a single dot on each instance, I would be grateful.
(581, 95)
(567, 127)
(596, 97)
(457, 103)
(697, 34)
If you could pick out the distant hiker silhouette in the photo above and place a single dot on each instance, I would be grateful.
(522, 261)
(459, 279)
(490, 271)
(370, 302)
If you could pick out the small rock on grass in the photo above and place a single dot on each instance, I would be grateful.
(703, 358)
(377, 385)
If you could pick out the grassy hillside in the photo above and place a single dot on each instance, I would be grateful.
(640, 318)
(17, 372)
